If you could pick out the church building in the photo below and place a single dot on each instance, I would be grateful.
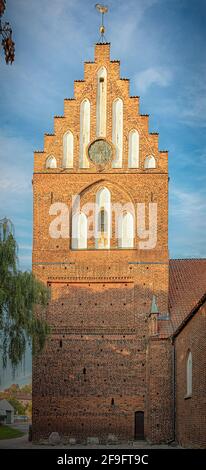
(126, 352)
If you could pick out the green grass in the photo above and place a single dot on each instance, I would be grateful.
(9, 433)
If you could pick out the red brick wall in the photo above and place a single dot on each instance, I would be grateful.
(82, 378)
(103, 331)
(159, 402)
(191, 412)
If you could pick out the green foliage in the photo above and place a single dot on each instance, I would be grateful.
(26, 388)
(13, 389)
(28, 411)
(18, 407)
(9, 433)
(20, 295)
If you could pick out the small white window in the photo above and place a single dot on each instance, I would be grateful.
(189, 374)
(68, 148)
(150, 162)
(51, 162)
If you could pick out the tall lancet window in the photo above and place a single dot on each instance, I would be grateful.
(68, 150)
(84, 132)
(189, 374)
(79, 231)
(126, 230)
(133, 149)
(103, 219)
(103, 222)
(117, 131)
(101, 109)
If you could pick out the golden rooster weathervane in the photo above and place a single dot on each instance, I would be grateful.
(102, 9)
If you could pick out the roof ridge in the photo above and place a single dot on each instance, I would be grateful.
(187, 259)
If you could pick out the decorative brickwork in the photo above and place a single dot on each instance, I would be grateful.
(103, 361)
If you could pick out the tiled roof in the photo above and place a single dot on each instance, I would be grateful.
(187, 284)
(5, 405)
(164, 328)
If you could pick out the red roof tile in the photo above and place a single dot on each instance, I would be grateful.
(187, 284)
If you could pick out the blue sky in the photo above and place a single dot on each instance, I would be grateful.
(161, 46)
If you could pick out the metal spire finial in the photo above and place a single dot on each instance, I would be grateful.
(154, 307)
(102, 9)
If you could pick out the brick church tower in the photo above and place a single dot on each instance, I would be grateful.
(107, 364)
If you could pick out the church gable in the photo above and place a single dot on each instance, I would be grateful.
(103, 109)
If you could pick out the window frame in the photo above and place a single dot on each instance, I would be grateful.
(189, 364)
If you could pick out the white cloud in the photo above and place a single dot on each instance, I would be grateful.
(16, 183)
(25, 247)
(194, 99)
(123, 21)
(46, 45)
(191, 205)
(16, 163)
(186, 103)
(25, 261)
(188, 222)
(16, 160)
(161, 76)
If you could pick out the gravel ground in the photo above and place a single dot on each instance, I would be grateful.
(23, 443)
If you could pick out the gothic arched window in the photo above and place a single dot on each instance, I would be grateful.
(51, 162)
(68, 149)
(117, 131)
(101, 108)
(126, 230)
(189, 373)
(79, 231)
(133, 160)
(103, 218)
(84, 132)
(103, 221)
(150, 162)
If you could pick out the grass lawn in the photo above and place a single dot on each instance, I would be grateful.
(9, 433)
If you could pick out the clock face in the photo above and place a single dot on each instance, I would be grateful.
(100, 152)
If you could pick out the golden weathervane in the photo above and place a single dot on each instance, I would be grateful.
(102, 9)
